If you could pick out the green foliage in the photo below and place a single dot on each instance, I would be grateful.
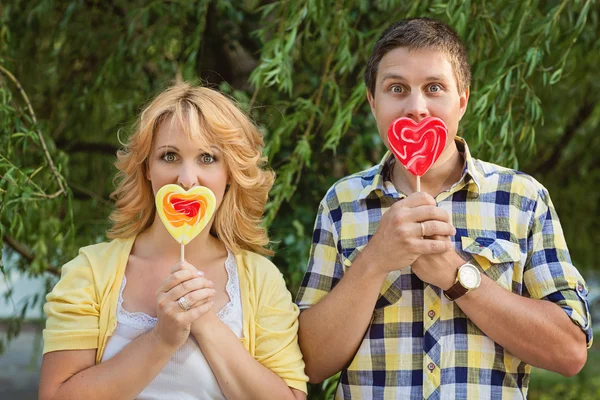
(89, 66)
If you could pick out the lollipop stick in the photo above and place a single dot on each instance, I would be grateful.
(418, 183)
(182, 252)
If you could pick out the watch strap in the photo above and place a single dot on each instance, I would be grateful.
(457, 290)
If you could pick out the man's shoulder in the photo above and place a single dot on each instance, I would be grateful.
(496, 177)
(348, 188)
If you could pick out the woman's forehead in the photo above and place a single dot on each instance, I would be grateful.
(174, 130)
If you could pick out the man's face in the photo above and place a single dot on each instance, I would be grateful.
(417, 84)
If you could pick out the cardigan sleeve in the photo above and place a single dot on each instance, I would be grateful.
(277, 331)
(72, 309)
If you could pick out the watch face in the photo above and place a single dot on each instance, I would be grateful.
(469, 276)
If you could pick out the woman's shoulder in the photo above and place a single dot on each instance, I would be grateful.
(101, 258)
(259, 271)
(256, 264)
(115, 247)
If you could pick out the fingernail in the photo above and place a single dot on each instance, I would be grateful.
(211, 283)
(214, 291)
(200, 273)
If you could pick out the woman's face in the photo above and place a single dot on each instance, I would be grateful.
(178, 159)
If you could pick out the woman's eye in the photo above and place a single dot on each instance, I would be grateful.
(207, 158)
(170, 157)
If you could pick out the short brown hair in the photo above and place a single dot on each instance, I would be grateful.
(421, 33)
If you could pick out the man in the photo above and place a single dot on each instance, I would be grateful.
(453, 292)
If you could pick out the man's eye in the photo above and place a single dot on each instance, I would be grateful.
(207, 158)
(397, 89)
(435, 88)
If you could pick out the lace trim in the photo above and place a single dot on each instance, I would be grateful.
(232, 287)
(142, 321)
(137, 320)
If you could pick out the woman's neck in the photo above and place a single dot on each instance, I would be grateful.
(157, 243)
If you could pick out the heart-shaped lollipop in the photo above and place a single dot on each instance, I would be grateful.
(417, 145)
(185, 213)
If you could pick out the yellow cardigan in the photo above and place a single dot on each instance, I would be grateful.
(82, 308)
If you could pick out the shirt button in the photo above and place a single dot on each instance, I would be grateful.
(431, 366)
(431, 314)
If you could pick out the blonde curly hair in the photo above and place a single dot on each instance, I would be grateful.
(214, 119)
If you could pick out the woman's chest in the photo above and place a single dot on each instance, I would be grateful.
(146, 281)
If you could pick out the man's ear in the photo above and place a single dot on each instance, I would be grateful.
(463, 102)
(371, 100)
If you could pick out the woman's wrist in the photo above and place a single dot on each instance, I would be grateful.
(205, 325)
(159, 345)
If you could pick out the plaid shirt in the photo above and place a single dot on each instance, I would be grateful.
(419, 344)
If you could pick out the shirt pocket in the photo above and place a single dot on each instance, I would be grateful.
(499, 259)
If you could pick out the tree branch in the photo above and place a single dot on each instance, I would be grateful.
(86, 147)
(14, 80)
(26, 253)
(551, 162)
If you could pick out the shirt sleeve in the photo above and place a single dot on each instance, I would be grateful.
(324, 268)
(549, 273)
(72, 309)
(277, 334)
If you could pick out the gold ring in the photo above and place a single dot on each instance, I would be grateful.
(183, 303)
(422, 229)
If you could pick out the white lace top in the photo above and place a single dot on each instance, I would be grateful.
(187, 374)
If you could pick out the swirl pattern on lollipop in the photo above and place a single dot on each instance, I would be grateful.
(183, 209)
(185, 213)
(417, 145)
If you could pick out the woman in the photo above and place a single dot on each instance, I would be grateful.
(116, 326)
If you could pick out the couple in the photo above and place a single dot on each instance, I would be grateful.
(384, 300)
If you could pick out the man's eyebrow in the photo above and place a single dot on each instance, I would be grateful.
(436, 78)
(391, 75)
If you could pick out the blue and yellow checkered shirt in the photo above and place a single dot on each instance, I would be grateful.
(419, 344)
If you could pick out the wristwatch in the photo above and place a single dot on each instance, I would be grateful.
(467, 279)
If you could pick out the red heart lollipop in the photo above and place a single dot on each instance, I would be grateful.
(417, 145)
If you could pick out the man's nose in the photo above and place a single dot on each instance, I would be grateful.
(416, 107)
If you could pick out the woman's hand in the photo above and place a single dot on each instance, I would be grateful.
(186, 288)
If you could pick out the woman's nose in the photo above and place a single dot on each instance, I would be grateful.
(188, 177)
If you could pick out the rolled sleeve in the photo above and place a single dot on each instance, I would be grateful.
(550, 274)
(72, 309)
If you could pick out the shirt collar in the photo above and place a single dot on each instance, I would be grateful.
(379, 178)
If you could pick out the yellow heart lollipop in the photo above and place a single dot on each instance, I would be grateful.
(185, 213)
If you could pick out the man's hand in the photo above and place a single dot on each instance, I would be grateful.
(398, 241)
(438, 269)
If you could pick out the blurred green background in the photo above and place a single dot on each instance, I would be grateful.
(74, 74)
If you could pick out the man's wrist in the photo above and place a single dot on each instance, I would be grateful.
(370, 267)
(468, 279)
(455, 262)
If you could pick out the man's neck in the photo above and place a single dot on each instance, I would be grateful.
(444, 173)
